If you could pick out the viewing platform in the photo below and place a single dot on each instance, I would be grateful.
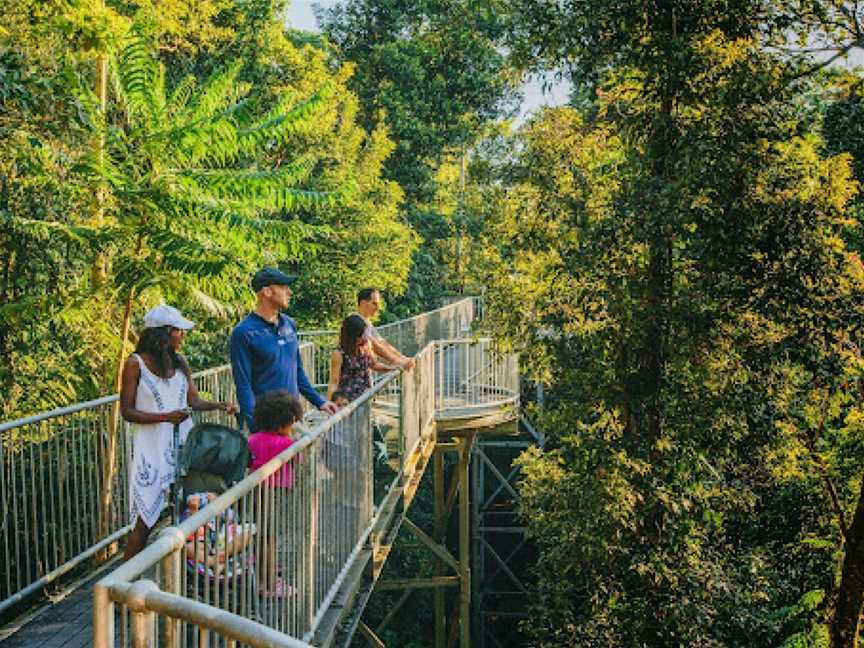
(64, 486)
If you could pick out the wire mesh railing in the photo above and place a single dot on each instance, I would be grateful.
(473, 374)
(470, 375)
(50, 482)
(408, 335)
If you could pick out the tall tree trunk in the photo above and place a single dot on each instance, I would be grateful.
(656, 334)
(655, 345)
(109, 450)
(99, 270)
(846, 624)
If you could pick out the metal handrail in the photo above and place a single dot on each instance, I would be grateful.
(60, 411)
(408, 335)
(119, 588)
(418, 393)
(415, 318)
(51, 488)
(52, 469)
(472, 377)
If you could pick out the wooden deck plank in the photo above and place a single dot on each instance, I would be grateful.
(67, 624)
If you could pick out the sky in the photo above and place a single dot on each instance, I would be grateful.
(301, 16)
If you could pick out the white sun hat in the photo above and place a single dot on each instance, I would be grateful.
(165, 315)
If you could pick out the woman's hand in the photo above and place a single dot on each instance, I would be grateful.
(177, 416)
(229, 408)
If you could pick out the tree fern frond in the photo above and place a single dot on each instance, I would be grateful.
(175, 170)
(241, 183)
(91, 111)
(218, 93)
(137, 72)
(47, 306)
(213, 138)
(213, 143)
(223, 296)
(284, 199)
(191, 193)
(249, 226)
(50, 231)
(211, 303)
(102, 167)
(170, 243)
(134, 273)
(194, 268)
(281, 123)
(252, 191)
(158, 95)
(288, 199)
(180, 96)
(188, 255)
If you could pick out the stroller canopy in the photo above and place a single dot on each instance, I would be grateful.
(215, 450)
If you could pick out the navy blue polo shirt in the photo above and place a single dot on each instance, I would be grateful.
(265, 357)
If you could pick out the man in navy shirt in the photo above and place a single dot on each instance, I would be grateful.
(265, 351)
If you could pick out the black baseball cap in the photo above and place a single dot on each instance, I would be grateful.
(271, 277)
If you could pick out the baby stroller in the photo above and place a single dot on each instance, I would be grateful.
(218, 554)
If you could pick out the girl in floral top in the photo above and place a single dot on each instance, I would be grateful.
(351, 364)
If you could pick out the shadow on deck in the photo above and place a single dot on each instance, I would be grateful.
(65, 624)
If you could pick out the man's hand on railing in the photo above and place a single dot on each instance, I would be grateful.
(406, 363)
(329, 407)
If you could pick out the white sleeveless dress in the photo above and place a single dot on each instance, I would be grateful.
(153, 455)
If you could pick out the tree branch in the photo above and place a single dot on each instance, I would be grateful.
(822, 64)
(810, 444)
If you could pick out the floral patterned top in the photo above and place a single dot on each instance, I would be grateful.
(355, 376)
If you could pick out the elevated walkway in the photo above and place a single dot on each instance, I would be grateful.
(327, 538)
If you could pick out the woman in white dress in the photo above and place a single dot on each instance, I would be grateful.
(156, 393)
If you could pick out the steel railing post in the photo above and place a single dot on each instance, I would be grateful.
(170, 569)
(103, 617)
(405, 419)
(312, 545)
(465, 545)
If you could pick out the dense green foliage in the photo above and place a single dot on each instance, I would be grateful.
(436, 74)
(431, 68)
(677, 255)
(199, 170)
(675, 262)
